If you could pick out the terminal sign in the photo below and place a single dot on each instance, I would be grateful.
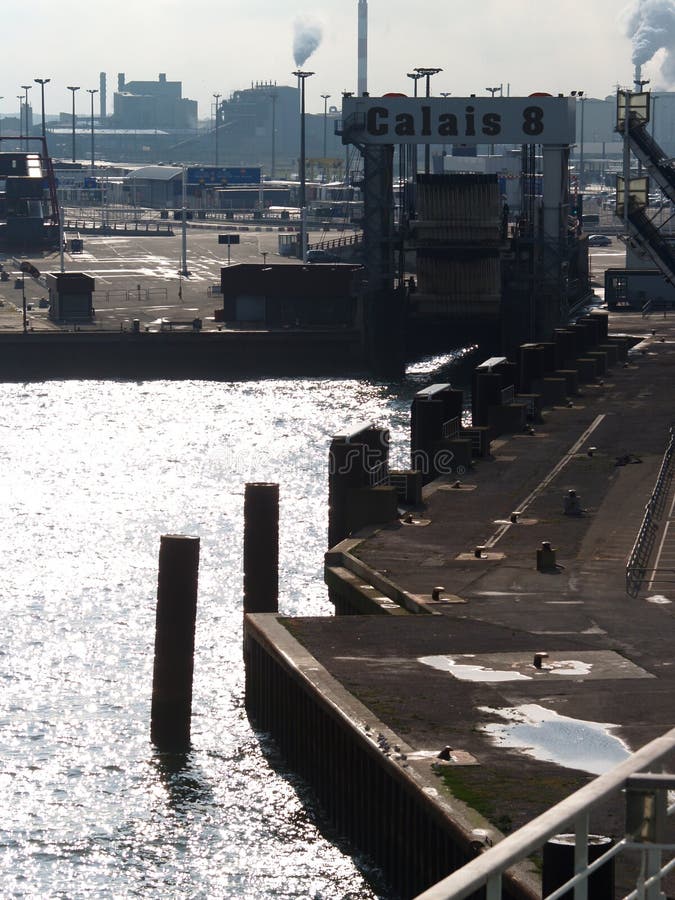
(473, 120)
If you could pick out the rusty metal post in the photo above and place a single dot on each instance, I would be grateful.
(174, 642)
(261, 548)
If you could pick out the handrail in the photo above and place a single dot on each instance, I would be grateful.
(644, 542)
(486, 869)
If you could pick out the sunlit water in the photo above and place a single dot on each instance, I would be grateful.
(92, 474)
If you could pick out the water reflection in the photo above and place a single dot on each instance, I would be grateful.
(546, 735)
(185, 783)
(95, 472)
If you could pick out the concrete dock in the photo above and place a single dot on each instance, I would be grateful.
(461, 675)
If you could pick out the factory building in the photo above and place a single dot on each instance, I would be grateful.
(152, 104)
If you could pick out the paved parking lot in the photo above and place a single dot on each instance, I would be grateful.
(137, 277)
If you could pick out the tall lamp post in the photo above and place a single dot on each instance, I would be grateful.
(273, 98)
(42, 82)
(580, 97)
(445, 95)
(427, 72)
(413, 150)
(492, 91)
(302, 77)
(415, 77)
(217, 99)
(26, 88)
(92, 91)
(325, 97)
(73, 89)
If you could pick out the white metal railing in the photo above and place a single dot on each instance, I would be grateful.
(530, 405)
(487, 870)
(378, 474)
(636, 567)
(450, 429)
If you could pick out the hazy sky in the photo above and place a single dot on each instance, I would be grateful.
(222, 45)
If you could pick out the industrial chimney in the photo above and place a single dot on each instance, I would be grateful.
(362, 82)
(102, 95)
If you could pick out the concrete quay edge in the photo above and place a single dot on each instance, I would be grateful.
(465, 825)
(580, 609)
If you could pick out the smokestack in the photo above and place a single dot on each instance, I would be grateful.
(102, 95)
(638, 78)
(120, 83)
(362, 81)
(650, 24)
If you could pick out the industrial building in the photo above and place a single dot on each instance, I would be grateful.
(152, 104)
(29, 213)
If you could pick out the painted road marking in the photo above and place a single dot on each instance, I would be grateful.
(571, 453)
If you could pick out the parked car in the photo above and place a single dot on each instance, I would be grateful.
(599, 240)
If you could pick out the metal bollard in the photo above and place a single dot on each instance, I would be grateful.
(546, 558)
(558, 866)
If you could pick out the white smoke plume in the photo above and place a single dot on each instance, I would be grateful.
(650, 24)
(306, 38)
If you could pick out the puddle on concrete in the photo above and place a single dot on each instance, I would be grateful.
(546, 735)
(569, 667)
(463, 671)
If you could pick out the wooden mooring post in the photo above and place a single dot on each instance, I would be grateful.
(174, 642)
(261, 548)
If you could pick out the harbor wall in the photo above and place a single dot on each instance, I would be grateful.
(179, 354)
(359, 770)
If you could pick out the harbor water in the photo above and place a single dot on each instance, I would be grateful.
(93, 473)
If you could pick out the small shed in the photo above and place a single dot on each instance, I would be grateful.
(70, 296)
(288, 296)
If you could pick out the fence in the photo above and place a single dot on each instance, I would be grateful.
(378, 475)
(149, 295)
(636, 566)
(450, 429)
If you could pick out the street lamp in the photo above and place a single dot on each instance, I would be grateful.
(427, 72)
(217, 98)
(92, 91)
(415, 77)
(273, 97)
(42, 82)
(26, 88)
(73, 89)
(445, 95)
(492, 91)
(580, 96)
(325, 97)
(302, 77)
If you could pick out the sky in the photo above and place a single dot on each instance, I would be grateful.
(218, 47)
